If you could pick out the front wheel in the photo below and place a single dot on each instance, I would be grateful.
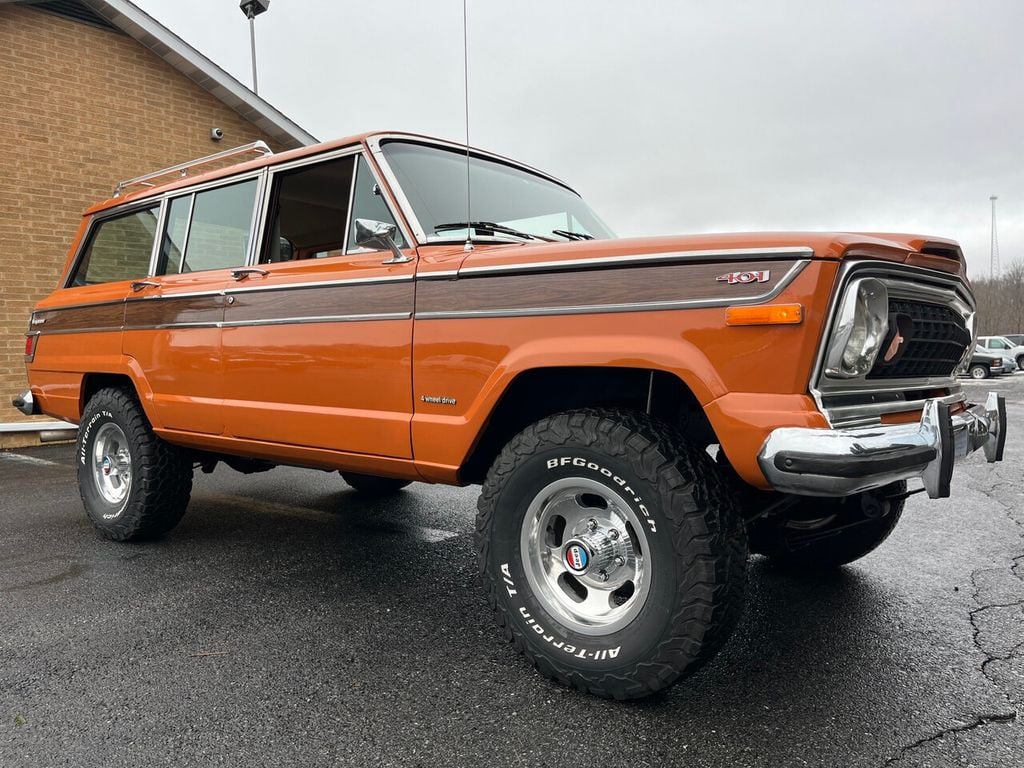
(979, 371)
(611, 551)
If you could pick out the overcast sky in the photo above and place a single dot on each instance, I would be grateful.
(678, 117)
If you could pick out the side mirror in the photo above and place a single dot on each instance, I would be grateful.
(379, 235)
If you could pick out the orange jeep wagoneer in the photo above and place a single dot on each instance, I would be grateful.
(641, 413)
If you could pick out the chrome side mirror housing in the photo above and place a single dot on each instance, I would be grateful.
(379, 235)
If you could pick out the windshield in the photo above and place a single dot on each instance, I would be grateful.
(517, 201)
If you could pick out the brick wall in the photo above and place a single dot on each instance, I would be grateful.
(81, 109)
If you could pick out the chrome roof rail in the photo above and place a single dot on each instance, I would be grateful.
(182, 169)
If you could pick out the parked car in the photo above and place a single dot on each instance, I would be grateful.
(1017, 339)
(1005, 347)
(638, 411)
(984, 364)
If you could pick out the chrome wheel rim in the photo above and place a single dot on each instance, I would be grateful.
(977, 373)
(586, 556)
(112, 466)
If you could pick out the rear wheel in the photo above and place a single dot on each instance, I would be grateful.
(372, 485)
(821, 534)
(133, 485)
(611, 551)
(1020, 363)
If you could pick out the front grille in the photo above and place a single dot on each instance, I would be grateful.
(936, 343)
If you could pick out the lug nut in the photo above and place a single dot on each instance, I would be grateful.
(602, 575)
(619, 560)
(613, 534)
(591, 524)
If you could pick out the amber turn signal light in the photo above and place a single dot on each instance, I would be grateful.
(770, 314)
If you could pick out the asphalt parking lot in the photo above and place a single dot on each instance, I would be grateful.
(288, 622)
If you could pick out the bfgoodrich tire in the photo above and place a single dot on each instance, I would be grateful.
(823, 534)
(372, 485)
(611, 552)
(134, 485)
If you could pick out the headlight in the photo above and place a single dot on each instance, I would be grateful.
(860, 330)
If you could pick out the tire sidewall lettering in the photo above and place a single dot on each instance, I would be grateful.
(86, 433)
(578, 462)
(628, 644)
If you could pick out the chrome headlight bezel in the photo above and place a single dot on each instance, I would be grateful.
(860, 329)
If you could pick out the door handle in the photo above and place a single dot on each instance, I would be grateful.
(243, 272)
(138, 285)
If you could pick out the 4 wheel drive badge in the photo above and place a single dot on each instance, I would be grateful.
(741, 278)
(576, 558)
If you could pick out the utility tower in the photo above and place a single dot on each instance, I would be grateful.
(993, 258)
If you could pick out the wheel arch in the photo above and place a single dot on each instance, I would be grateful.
(537, 393)
(130, 378)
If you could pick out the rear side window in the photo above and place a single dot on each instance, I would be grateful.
(208, 230)
(119, 249)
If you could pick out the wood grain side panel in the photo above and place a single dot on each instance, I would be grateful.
(322, 301)
(676, 282)
(162, 311)
(99, 317)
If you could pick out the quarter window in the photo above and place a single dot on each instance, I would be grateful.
(119, 249)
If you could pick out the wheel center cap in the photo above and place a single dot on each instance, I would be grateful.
(577, 557)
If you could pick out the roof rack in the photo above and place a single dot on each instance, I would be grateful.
(183, 169)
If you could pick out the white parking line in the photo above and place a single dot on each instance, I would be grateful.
(18, 458)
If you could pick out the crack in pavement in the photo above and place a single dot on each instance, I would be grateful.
(980, 720)
(1016, 561)
(990, 657)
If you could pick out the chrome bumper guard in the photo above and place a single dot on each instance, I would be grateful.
(26, 404)
(842, 462)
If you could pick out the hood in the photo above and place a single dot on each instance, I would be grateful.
(931, 252)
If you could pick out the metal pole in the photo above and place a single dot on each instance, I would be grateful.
(252, 43)
(993, 257)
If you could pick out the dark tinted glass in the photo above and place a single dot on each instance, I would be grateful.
(309, 211)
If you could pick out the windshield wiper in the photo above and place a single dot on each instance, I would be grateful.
(485, 226)
(572, 235)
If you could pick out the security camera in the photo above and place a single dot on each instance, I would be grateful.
(216, 134)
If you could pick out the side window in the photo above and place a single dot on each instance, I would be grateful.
(208, 230)
(309, 212)
(173, 247)
(119, 249)
(368, 203)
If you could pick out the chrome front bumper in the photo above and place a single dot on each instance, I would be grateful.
(842, 462)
